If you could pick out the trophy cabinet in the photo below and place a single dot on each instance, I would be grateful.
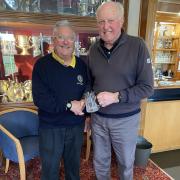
(166, 46)
(25, 36)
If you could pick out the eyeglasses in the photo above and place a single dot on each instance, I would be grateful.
(65, 38)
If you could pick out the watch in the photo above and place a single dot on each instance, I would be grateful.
(68, 106)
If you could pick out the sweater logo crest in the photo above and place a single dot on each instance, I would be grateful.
(80, 79)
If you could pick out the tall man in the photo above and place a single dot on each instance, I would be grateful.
(121, 73)
(58, 84)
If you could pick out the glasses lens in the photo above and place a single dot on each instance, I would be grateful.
(63, 38)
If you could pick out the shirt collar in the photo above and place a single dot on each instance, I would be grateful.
(114, 44)
(60, 60)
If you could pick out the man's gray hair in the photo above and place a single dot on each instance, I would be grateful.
(118, 5)
(62, 23)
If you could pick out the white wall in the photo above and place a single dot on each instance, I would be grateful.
(133, 17)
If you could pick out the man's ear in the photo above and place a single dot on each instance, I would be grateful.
(122, 21)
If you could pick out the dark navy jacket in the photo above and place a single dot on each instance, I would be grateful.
(53, 85)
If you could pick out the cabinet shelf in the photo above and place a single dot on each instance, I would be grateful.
(168, 37)
(14, 19)
(164, 49)
(164, 62)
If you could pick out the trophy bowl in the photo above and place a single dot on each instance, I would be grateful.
(23, 42)
(83, 8)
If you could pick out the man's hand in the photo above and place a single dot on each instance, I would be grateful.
(107, 98)
(77, 107)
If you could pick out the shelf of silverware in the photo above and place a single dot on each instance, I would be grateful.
(166, 49)
(25, 37)
(81, 8)
(28, 27)
(69, 7)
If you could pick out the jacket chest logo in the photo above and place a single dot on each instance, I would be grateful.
(80, 80)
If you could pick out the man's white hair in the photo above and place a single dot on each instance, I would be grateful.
(118, 5)
(62, 23)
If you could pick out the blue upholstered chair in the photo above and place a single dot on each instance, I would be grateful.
(19, 141)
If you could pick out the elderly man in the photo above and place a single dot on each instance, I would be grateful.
(58, 84)
(121, 74)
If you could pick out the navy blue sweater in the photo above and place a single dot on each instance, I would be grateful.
(53, 85)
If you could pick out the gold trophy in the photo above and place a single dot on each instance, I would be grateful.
(4, 85)
(15, 92)
(27, 87)
(23, 42)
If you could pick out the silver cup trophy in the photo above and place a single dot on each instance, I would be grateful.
(90, 101)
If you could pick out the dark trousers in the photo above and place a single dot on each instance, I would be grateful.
(61, 143)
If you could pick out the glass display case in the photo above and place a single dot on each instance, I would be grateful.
(19, 51)
(25, 36)
(74, 7)
(166, 48)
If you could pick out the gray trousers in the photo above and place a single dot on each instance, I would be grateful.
(119, 133)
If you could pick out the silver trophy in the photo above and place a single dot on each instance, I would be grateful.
(90, 101)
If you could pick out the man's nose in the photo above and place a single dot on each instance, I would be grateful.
(65, 41)
(106, 25)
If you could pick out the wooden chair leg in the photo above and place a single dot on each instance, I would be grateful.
(22, 170)
(1, 158)
(22, 167)
(88, 145)
(7, 165)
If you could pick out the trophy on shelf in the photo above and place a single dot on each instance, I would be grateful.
(83, 7)
(23, 42)
(27, 87)
(36, 43)
(77, 48)
(91, 40)
(90, 102)
(15, 92)
(93, 4)
(35, 6)
(7, 44)
(23, 5)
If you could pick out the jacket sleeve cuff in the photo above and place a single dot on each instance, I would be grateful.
(124, 96)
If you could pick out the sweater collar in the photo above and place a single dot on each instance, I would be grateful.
(61, 61)
(122, 38)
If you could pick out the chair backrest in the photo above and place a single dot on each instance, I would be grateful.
(20, 122)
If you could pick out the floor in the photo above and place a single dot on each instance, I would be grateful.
(169, 161)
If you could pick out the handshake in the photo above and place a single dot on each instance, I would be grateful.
(89, 102)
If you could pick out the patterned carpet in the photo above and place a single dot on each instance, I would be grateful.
(151, 172)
